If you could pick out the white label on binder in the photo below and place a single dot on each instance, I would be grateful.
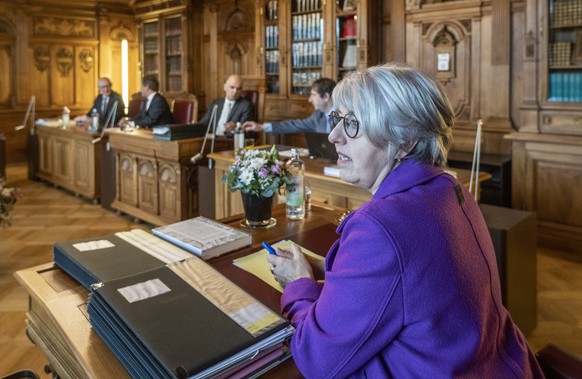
(93, 245)
(144, 290)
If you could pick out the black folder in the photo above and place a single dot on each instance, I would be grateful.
(174, 334)
(179, 131)
(100, 265)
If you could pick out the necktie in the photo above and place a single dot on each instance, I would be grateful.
(104, 102)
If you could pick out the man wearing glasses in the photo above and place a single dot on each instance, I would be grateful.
(104, 103)
(318, 122)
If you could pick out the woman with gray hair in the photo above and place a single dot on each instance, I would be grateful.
(411, 286)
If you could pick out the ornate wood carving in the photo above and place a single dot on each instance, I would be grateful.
(64, 27)
(42, 58)
(64, 60)
(86, 58)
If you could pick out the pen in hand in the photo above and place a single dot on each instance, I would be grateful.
(269, 248)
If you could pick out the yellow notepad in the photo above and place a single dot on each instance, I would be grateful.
(256, 263)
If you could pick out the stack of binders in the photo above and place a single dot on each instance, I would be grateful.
(169, 314)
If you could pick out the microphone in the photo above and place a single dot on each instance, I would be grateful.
(110, 117)
(212, 122)
(31, 107)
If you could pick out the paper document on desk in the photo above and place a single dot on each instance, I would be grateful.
(256, 263)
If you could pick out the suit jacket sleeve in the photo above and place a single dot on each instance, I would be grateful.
(157, 114)
(316, 123)
(219, 104)
(96, 105)
(242, 111)
(120, 106)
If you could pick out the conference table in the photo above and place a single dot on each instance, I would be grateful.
(58, 323)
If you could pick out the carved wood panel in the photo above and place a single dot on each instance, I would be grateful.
(169, 191)
(147, 185)
(127, 179)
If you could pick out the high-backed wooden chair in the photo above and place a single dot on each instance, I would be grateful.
(135, 104)
(185, 109)
(254, 89)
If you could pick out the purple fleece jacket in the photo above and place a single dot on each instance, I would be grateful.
(411, 291)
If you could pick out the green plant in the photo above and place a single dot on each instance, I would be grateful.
(8, 198)
(257, 172)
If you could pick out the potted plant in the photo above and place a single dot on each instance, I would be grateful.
(8, 197)
(258, 175)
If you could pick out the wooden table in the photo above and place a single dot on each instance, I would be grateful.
(58, 323)
(325, 189)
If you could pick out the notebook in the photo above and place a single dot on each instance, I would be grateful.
(320, 147)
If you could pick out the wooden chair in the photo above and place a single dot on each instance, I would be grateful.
(185, 109)
(134, 104)
(254, 89)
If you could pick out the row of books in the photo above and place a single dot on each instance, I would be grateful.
(566, 12)
(307, 54)
(271, 36)
(560, 54)
(565, 87)
(307, 26)
(305, 78)
(174, 45)
(272, 10)
(272, 61)
(166, 313)
(306, 5)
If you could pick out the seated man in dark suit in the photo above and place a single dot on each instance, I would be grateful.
(104, 103)
(230, 109)
(155, 109)
(318, 122)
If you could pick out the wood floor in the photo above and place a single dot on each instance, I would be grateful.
(45, 214)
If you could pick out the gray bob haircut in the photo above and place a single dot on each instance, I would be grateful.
(396, 104)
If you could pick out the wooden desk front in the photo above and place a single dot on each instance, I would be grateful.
(70, 159)
(58, 324)
(325, 189)
(155, 180)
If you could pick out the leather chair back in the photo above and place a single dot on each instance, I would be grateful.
(185, 110)
(134, 104)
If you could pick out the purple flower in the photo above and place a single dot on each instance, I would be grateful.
(276, 169)
(263, 172)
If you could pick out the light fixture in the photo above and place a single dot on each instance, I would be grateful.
(124, 74)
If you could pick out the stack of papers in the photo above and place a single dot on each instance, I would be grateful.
(256, 263)
(204, 237)
(186, 320)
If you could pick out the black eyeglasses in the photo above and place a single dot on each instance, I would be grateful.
(351, 123)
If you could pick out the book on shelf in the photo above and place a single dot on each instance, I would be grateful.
(204, 237)
(332, 171)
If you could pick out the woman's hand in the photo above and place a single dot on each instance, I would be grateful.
(289, 265)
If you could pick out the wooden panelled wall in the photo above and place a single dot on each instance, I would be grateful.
(56, 51)
(494, 68)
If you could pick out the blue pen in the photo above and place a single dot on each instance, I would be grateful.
(269, 248)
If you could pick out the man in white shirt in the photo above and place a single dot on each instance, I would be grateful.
(155, 110)
(230, 109)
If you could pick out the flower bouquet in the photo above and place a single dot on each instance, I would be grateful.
(259, 175)
(8, 198)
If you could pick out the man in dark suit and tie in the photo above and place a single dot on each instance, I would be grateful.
(318, 122)
(230, 109)
(155, 109)
(104, 103)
